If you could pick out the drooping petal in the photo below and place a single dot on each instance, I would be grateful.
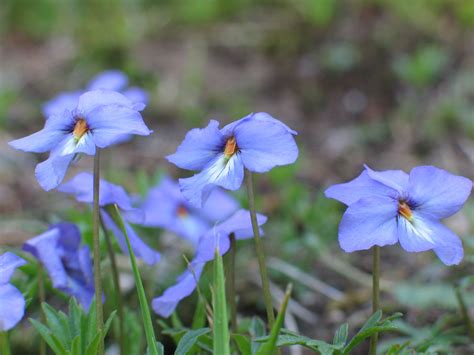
(62, 102)
(369, 221)
(264, 145)
(240, 224)
(114, 80)
(91, 100)
(8, 264)
(109, 124)
(187, 282)
(199, 147)
(257, 116)
(415, 235)
(362, 186)
(141, 250)
(219, 206)
(227, 173)
(12, 307)
(70, 235)
(436, 192)
(51, 172)
(395, 179)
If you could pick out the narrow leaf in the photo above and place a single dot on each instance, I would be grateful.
(45, 333)
(340, 338)
(221, 326)
(189, 340)
(243, 343)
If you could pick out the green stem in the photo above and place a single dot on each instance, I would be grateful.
(96, 243)
(230, 278)
(267, 297)
(116, 281)
(465, 313)
(375, 293)
(42, 298)
(4, 343)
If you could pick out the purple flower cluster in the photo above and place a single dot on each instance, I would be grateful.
(392, 206)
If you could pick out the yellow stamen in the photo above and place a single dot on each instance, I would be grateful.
(80, 128)
(230, 147)
(182, 211)
(404, 210)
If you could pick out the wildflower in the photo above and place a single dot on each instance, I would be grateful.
(166, 207)
(113, 80)
(81, 188)
(391, 206)
(68, 264)
(218, 236)
(100, 119)
(257, 142)
(12, 302)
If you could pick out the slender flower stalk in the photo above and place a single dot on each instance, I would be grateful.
(42, 298)
(375, 293)
(4, 343)
(96, 242)
(116, 281)
(230, 277)
(267, 297)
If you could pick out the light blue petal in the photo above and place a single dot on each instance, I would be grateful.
(109, 80)
(62, 102)
(395, 179)
(219, 206)
(264, 145)
(199, 147)
(137, 95)
(257, 116)
(8, 264)
(51, 172)
(369, 221)
(227, 173)
(91, 100)
(12, 307)
(436, 192)
(415, 235)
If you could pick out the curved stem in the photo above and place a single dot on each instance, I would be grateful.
(116, 281)
(375, 293)
(96, 243)
(42, 298)
(267, 297)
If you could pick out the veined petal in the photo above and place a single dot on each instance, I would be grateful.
(167, 303)
(12, 307)
(51, 172)
(91, 100)
(362, 186)
(369, 221)
(417, 234)
(110, 123)
(257, 116)
(264, 145)
(395, 179)
(8, 264)
(227, 173)
(199, 147)
(437, 193)
(60, 103)
(109, 80)
(70, 145)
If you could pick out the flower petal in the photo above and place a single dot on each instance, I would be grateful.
(109, 80)
(227, 173)
(199, 147)
(187, 282)
(362, 186)
(91, 100)
(257, 116)
(436, 192)
(138, 96)
(60, 103)
(369, 221)
(240, 224)
(8, 264)
(219, 206)
(395, 179)
(51, 172)
(415, 235)
(264, 145)
(110, 123)
(12, 307)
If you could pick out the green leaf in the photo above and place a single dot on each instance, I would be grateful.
(199, 318)
(270, 345)
(53, 343)
(93, 346)
(76, 346)
(243, 343)
(340, 338)
(313, 344)
(56, 326)
(149, 332)
(189, 340)
(221, 326)
(90, 324)
(256, 330)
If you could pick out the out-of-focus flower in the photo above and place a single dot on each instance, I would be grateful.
(81, 187)
(12, 302)
(391, 206)
(217, 237)
(257, 142)
(68, 264)
(166, 207)
(114, 80)
(101, 119)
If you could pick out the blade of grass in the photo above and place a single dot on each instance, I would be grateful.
(149, 332)
(221, 327)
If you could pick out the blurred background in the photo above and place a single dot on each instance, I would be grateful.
(389, 83)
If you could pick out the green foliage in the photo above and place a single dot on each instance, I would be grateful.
(73, 334)
(219, 308)
(189, 340)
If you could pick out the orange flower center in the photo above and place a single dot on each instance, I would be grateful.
(404, 210)
(80, 128)
(182, 211)
(230, 147)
